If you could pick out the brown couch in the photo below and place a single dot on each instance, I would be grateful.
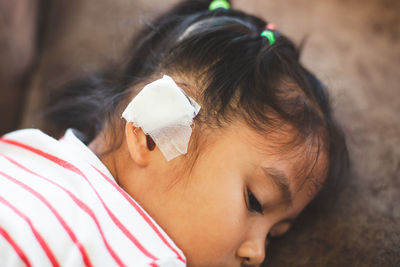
(352, 45)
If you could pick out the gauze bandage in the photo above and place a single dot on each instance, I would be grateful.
(163, 111)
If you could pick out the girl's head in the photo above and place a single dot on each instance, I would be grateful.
(263, 144)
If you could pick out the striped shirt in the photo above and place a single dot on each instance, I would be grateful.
(60, 206)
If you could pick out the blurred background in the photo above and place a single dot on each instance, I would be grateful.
(352, 45)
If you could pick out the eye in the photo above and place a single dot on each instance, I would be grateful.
(253, 204)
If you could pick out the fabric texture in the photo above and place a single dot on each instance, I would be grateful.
(60, 206)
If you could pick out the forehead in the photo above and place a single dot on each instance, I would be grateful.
(292, 167)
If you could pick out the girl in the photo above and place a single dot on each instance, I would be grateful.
(261, 147)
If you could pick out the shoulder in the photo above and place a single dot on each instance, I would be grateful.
(27, 134)
(42, 177)
(32, 140)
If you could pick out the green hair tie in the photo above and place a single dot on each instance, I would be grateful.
(219, 4)
(269, 35)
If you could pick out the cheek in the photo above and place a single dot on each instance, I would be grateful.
(204, 212)
(214, 215)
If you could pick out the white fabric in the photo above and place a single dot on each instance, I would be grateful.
(60, 205)
(163, 111)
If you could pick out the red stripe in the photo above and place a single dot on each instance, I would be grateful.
(38, 237)
(67, 165)
(80, 204)
(142, 213)
(56, 214)
(15, 246)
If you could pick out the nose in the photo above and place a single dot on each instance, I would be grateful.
(252, 252)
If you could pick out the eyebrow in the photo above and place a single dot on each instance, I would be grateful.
(282, 181)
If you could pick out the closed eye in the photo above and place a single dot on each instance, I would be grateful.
(253, 204)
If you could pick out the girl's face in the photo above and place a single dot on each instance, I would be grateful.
(221, 211)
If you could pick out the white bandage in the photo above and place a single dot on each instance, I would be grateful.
(163, 111)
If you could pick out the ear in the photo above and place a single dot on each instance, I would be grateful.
(139, 144)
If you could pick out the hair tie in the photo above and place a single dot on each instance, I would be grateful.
(270, 26)
(216, 4)
(269, 33)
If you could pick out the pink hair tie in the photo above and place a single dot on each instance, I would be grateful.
(270, 27)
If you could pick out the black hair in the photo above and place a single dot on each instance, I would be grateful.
(236, 72)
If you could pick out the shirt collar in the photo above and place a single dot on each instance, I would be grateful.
(84, 152)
